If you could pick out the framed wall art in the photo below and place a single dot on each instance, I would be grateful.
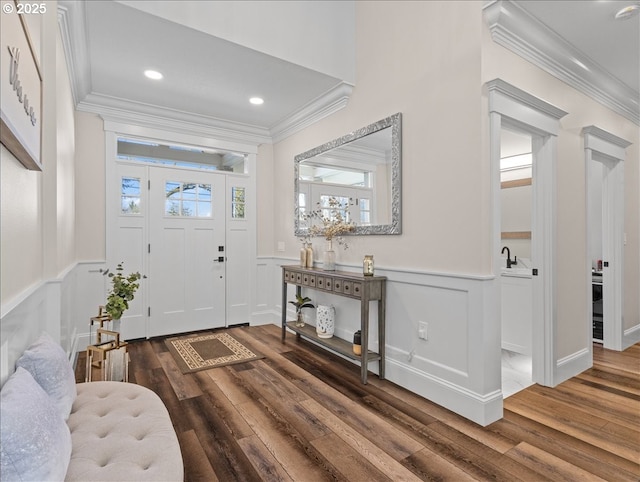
(20, 91)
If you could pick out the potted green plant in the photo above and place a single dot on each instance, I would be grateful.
(123, 289)
(299, 304)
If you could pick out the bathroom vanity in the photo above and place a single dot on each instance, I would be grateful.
(517, 310)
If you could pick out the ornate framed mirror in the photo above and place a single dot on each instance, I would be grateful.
(362, 170)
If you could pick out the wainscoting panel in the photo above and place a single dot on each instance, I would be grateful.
(456, 366)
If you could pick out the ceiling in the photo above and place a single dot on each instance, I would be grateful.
(112, 43)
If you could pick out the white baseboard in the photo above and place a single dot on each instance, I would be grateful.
(631, 337)
(572, 365)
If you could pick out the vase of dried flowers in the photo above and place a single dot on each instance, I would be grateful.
(329, 257)
(331, 221)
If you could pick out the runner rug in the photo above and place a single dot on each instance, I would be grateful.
(200, 352)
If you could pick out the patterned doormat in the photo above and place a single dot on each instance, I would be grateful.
(200, 352)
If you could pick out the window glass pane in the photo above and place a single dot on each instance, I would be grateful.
(172, 208)
(238, 194)
(130, 195)
(188, 199)
(302, 204)
(179, 155)
(332, 206)
(204, 192)
(189, 208)
(204, 209)
(238, 202)
(189, 194)
(172, 190)
(130, 205)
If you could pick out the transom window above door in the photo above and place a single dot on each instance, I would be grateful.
(173, 155)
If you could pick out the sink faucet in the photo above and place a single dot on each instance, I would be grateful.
(509, 262)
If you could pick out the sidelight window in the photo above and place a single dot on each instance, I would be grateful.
(130, 195)
(238, 202)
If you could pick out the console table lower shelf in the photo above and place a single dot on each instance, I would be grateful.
(334, 343)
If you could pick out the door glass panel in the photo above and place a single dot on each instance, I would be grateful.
(187, 199)
(130, 195)
(238, 202)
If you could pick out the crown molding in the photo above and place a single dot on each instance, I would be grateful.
(145, 115)
(72, 25)
(328, 103)
(515, 29)
(71, 22)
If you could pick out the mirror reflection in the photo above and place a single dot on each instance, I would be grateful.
(361, 171)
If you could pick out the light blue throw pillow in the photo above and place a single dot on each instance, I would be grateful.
(48, 364)
(35, 442)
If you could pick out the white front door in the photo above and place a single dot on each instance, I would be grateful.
(187, 251)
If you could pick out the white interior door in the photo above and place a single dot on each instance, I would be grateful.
(186, 251)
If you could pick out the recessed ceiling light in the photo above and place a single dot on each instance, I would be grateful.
(153, 74)
(627, 12)
(256, 100)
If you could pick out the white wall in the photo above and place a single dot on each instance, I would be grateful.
(408, 61)
(399, 70)
(90, 187)
(37, 253)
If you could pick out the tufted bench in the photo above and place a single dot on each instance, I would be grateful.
(54, 429)
(121, 431)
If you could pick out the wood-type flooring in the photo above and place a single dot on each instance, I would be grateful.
(301, 414)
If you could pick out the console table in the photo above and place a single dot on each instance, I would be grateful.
(347, 284)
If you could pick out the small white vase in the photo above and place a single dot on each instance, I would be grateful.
(325, 321)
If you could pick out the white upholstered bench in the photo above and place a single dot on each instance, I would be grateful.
(121, 431)
(53, 429)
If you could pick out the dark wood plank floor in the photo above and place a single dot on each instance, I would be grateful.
(301, 414)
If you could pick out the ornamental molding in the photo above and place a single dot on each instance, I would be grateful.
(515, 29)
(72, 26)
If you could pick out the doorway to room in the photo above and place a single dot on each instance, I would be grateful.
(515, 109)
(516, 173)
(604, 156)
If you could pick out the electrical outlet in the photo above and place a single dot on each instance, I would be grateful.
(280, 246)
(422, 330)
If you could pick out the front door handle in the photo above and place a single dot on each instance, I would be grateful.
(219, 260)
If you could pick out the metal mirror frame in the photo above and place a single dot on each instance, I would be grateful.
(395, 123)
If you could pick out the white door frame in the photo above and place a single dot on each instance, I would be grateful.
(515, 108)
(116, 128)
(601, 146)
